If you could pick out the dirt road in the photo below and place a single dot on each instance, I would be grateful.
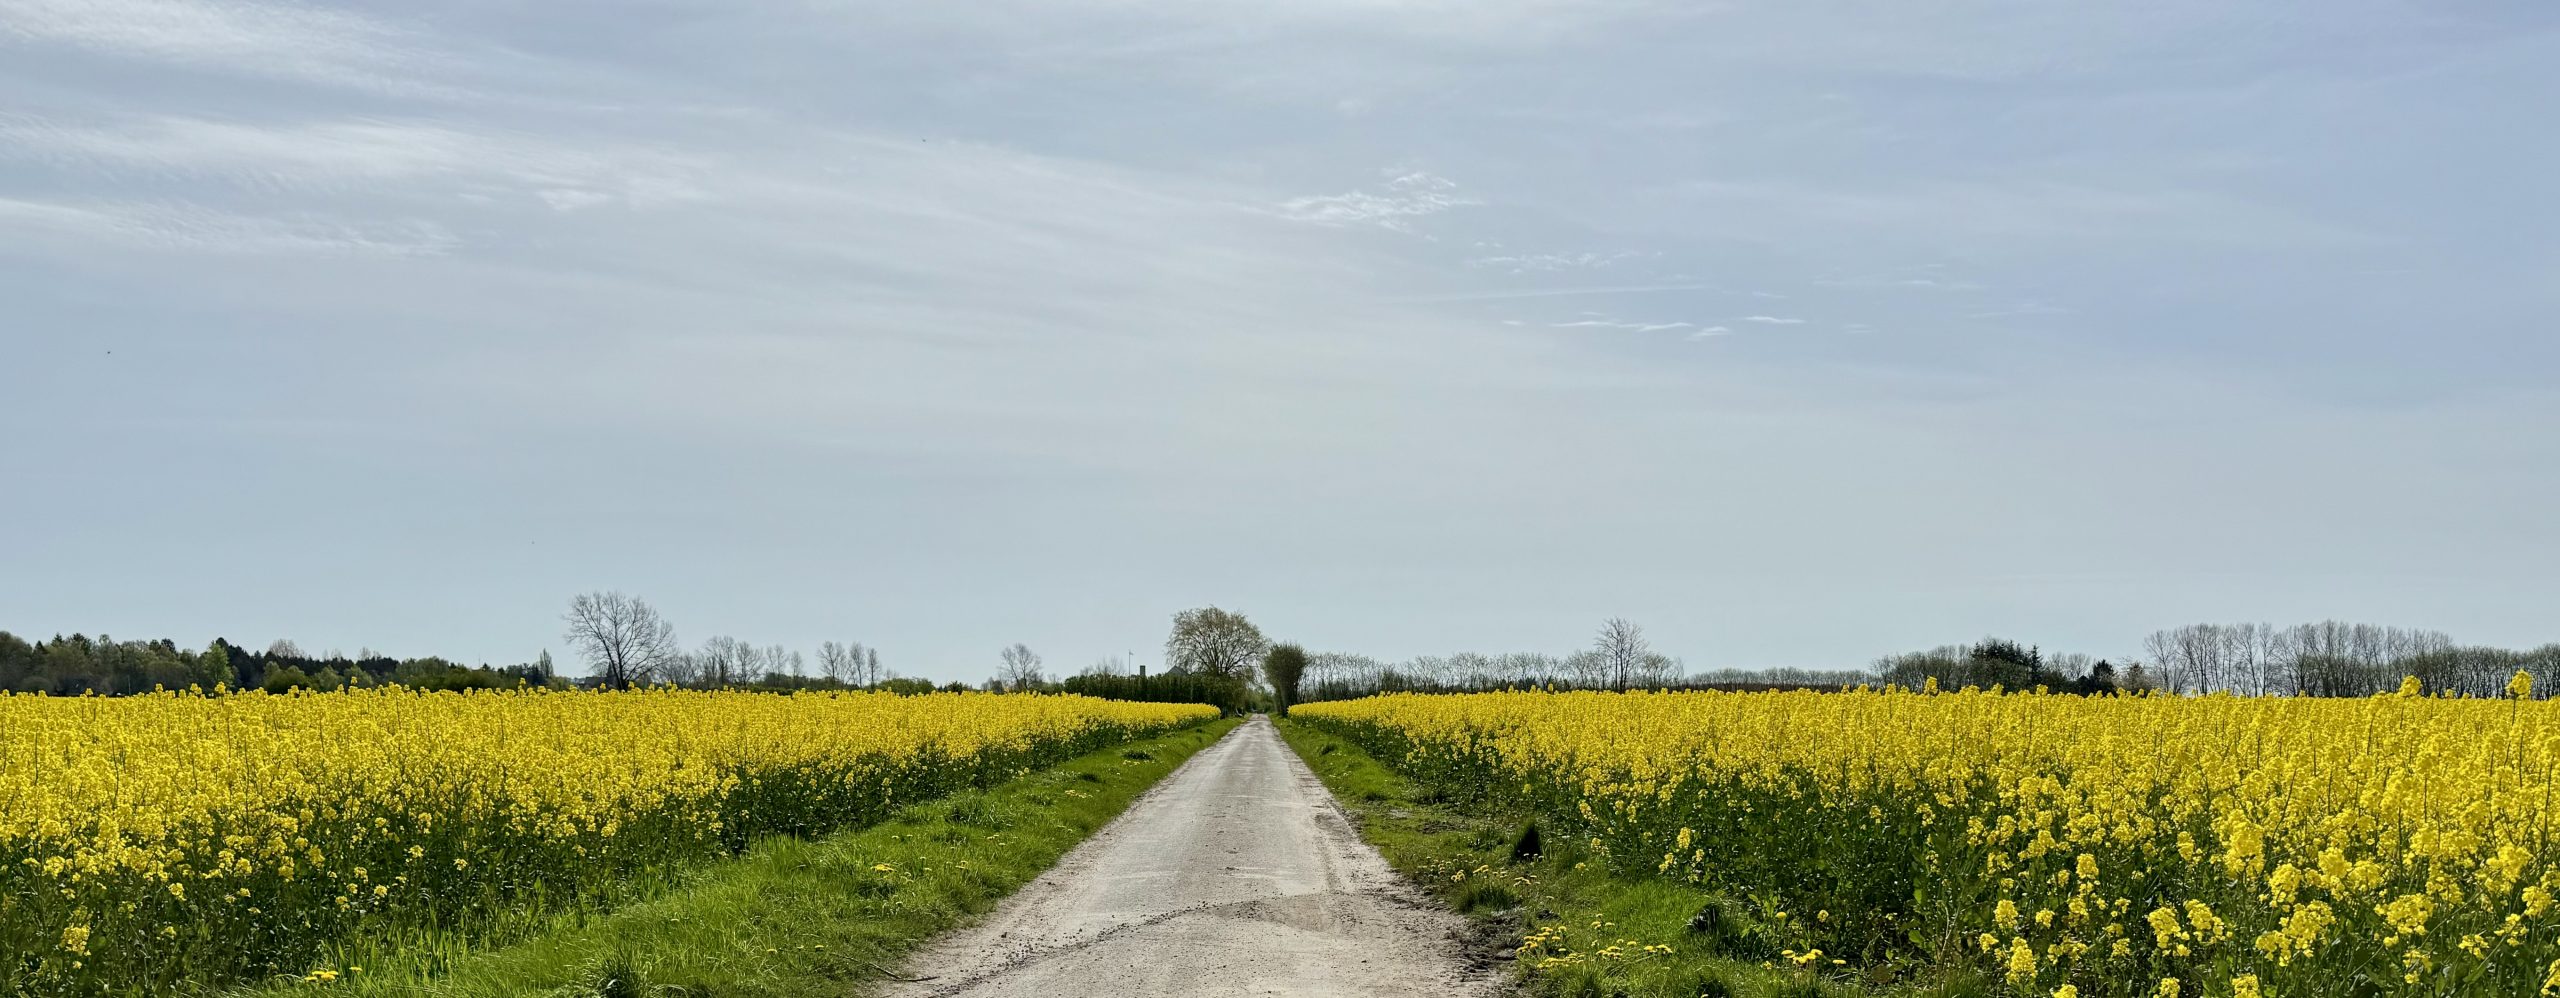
(1235, 876)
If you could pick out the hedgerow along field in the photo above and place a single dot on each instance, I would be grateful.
(2038, 845)
(180, 842)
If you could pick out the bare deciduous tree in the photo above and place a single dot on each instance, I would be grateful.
(683, 669)
(2330, 658)
(1657, 670)
(841, 662)
(621, 636)
(776, 660)
(1021, 668)
(1587, 669)
(1622, 649)
(723, 660)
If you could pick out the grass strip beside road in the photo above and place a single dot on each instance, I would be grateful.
(790, 917)
(1571, 927)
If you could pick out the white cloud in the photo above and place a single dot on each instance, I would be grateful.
(571, 199)
(1546, 262)
(296, 154)
(1558, 292)
(1709, 332)
(1404, 196)
(196, 228)
(1772, 320)
(339, 155)
(242, 36)
(1641, 327)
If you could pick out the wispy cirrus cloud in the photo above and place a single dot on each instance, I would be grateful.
(296, 154)
(195, 228)
(1404, 196)
(247, 37)
(1503, 294)
(1772, 320)
(1641, 327)
(340, 154)
(1529, 263)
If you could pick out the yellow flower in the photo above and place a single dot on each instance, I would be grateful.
(2165, 929)
(265, 818)
(2245, 986)
(2219, 812)
(2408, 915)
(2022, 963)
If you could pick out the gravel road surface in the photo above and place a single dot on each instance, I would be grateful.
(1235, 876)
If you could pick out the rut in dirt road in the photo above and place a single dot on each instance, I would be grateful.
(1235, 876)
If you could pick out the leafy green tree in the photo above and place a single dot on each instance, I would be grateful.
(286, 679)
(1215, 642)
(17, 660)
(212, 667)
(1282, 667)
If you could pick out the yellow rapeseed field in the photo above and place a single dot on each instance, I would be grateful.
(177, 839)
(2051, 845)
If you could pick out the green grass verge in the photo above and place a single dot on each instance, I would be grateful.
(793, 917)
(1595, 928)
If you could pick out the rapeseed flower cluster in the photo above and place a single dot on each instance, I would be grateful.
(2109, 846)
(186, 839)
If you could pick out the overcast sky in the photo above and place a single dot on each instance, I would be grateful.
(1798, 332)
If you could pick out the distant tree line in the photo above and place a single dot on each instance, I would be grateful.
(1211, 656)
(1229, 695)
(2326, 659)
(2004, 664)
(1620, 658)
(2333, 658)
(627, 643)
(66, 666)
(1219, 657)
